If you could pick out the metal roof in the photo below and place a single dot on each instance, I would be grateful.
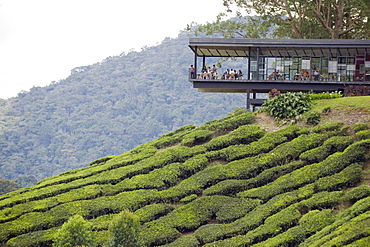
(223, 47)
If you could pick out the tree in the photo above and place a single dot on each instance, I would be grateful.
(75, 232)
(124, 230)
(26, 180)
(7, 185)
(302, 19)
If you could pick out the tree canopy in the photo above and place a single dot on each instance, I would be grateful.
(302, 19)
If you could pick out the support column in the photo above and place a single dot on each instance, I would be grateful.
(204, 61)
(196, 61)
(249, 63)
(248, 97)
(258, 63)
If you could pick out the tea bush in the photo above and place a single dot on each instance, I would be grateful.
(363, 134)
(330, 146)
(263, 145)
(360, 126)
(196, 137)
(242, 135)
(288, 105)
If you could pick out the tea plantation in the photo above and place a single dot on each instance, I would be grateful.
(227, 183)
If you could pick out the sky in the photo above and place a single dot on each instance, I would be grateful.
(41, 41)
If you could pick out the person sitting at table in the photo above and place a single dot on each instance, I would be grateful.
(273, 75)
(316, 75)
(214, 72)
(232, 74)
(304, 75)
(239, 75)
(204, 73)
(226, 75)
(297, 76)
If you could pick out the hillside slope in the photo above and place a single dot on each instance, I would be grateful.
(227, 183)
(104, 109)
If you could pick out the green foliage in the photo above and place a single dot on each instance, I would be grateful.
(244, 135)
(328, 128)
(7, 185)
(363, 134)
(153, 211)
(288, 105)
(124, 230)
(173, 137)
(357, 193)
(75, 232)
(184, 241)
(313, 118)
(244, 187)
(262, 145)
(196, 137)
(330, 146)
(360, 126)
(230, 122)
(285, 20)
(325, 95)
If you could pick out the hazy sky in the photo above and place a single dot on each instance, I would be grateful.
(42, 40)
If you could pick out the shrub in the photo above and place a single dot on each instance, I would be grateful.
(349, 176)
(236, 209)
(153, 211)
(288, 105)
(325, 95)
(230, 122)
(313, 118)
(102, 160)
(75, 232)
(189, 198)
(124, 230)
(356, 90)
(360, 126)
(196, 137)
(363, 134)
(213, 232)
(184, 241)
(330, 146)
(263, 145)
(325, 128)
(333, 164)
(310, 223)
(234, 186)
(242, 135)
(173, 137)
(357, 193)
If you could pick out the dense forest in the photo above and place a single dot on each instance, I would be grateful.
(104, 109)
(228, 183)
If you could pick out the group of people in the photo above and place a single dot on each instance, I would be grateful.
(232, 74)
(306, 76)
(211, 73)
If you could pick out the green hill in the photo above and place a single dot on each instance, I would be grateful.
(104, 109)
(229, 182)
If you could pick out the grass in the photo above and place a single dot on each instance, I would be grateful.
(345, 104)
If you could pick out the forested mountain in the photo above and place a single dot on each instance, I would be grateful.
(227, 183)
(104, 109)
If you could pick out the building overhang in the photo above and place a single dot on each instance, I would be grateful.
(225, 47)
